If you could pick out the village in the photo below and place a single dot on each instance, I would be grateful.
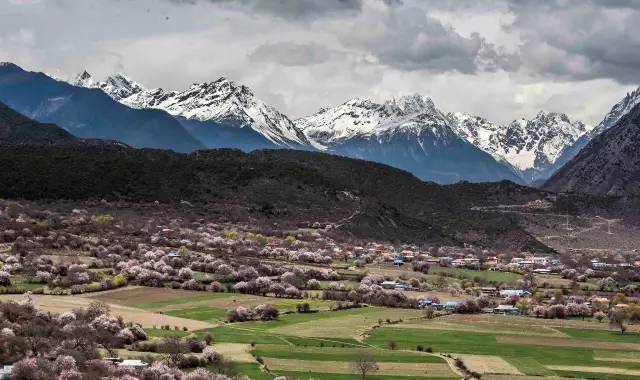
(170, 272)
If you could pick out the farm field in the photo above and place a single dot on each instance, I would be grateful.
(321, 345)
(61, 304)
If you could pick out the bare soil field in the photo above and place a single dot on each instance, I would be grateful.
(385, 368)
(485, 364)
(69, 257)
(443, 296)
(612, 356)
(238, 352)
(134, 295)
(525, 377)
(607, 370)
(61, 304)
(563, 342)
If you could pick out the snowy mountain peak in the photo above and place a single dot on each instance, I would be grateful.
(120, 86)
(409, 104)
(221, 101)
(84, 79)
(532, 146)
(359, 117)
(620, 109)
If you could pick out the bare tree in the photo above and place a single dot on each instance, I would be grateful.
(364, 364)
(174, 350)
(618, 319)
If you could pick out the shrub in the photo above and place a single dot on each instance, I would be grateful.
(240, 314)
(103, 219)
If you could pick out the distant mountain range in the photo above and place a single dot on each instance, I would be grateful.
(219, 113)
(533, 147)
(407, 132)
(90, 113)
(290, 188)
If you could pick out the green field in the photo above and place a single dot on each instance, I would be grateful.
(198, 296)
(472, 274)
(322, 345)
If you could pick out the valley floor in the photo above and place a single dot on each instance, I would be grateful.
(406, 346)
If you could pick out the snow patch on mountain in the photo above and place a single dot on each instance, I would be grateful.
(360, 117)
(531, 146)
(220, 101)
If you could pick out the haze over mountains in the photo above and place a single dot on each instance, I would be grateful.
(407, 132)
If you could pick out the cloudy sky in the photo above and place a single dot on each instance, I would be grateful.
(498, 59)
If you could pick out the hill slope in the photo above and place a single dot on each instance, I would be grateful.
(362, 198)
(16, 129)
(90, 113)
(608, 165)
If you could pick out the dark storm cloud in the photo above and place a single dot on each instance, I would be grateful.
(291, 53)
(409, 39)
(292, 9)
(579, 40)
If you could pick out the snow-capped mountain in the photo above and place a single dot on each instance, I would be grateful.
(90, 114)
(362, 117)
(532, 146)
(621, 108)
(220, 104)
(406, 132)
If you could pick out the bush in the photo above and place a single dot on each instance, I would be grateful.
(240, 314)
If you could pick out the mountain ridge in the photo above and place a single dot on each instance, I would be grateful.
(219, 102)
(90, 113)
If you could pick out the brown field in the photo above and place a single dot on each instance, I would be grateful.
(563, 342)
(397, 369)
(69, 257)
(443, 296)
(612, 356)
(525, 377)
(608, 370)
(484, 364)
(61, 304)
(238, 352)
(137, 295)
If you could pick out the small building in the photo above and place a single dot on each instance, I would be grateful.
(423, 302)
(132, 363)
(451, 305)
(173, 254)
(542, 271)
(5, 372)
(388, 284)
(506, 310)
(513, 292)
